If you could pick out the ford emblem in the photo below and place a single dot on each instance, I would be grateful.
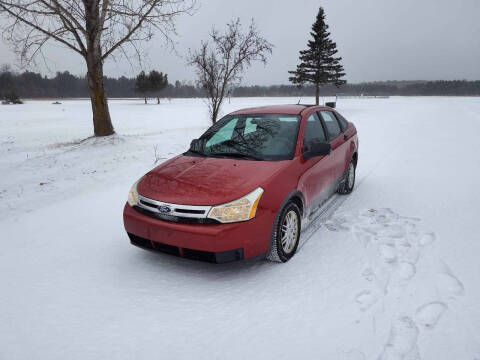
(164, 209)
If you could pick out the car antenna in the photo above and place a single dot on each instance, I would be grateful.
(298, 103)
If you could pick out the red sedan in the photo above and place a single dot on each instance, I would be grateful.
(243, 187)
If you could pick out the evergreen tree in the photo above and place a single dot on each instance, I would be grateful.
(142, 85)
(158, 82)
(318, 63)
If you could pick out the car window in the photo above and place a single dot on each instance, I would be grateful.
(343, 122)
(224, 133)
(261, 137)
(314, 130)
(250, 126)
(333, 127)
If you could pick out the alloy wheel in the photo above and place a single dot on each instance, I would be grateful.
(351, 175)
(289, 231)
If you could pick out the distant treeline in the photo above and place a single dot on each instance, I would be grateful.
(381, 88)
(66, 85)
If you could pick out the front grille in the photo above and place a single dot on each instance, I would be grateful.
(188, 214)
(177, 219)
(187, 211)
(146, 203)
(208, 256)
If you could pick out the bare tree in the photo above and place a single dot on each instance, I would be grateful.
(95, 29)
(220, 64)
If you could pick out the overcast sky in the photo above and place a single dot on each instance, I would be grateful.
(378, 39)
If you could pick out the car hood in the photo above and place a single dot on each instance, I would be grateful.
(206, 181)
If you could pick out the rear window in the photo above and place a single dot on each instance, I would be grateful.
(314, 130)
(343, 122)
(333, 127)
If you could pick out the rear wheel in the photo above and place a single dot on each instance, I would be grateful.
(346, 186)
(285, 234)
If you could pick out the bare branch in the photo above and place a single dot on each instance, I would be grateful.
(95, 29)
(149, 15)
(219, 65)
(113, 23)
(65, 14)
(32, 16)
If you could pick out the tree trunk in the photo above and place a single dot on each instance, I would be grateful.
(215, 111)
(158, 100)
(214, 116)
(216, 105)
(102, 124)
(317, 94)
(145, 100)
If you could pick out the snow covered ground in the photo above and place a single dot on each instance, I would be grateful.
(391, 272)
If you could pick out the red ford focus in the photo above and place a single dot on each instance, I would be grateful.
(243, 187)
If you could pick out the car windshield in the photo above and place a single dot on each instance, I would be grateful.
(250, 137)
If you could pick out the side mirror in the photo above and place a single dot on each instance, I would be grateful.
(313, 149)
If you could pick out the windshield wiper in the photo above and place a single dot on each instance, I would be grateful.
(236, 155)
(197, 152)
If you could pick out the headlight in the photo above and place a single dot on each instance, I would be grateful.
(241, 209)
(133, 194)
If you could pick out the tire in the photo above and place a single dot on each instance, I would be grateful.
(288, 216)
(347, 184)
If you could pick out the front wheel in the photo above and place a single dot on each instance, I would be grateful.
(347, 184)
(285, 234)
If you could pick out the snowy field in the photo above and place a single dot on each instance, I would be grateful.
(391, 273)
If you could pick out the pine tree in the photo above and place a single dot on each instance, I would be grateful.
(318, 64)
(158, 82)
(142, 85)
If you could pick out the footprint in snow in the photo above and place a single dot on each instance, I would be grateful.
(427, 239)
(393, 245)
(335, 226)
(403, 245)
(402, 341)
(388, 254)
(366, 299)
(429, 314)
(406, 271)
(341, 222)
(364, 238)
(448, 285)
(409, 253)
(368, 274)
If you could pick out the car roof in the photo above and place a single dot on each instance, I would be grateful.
(278, 109)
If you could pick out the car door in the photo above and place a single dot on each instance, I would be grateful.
(318, 171)
(338, 143)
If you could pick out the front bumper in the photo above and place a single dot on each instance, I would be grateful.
(214, 257)
(209, 242)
